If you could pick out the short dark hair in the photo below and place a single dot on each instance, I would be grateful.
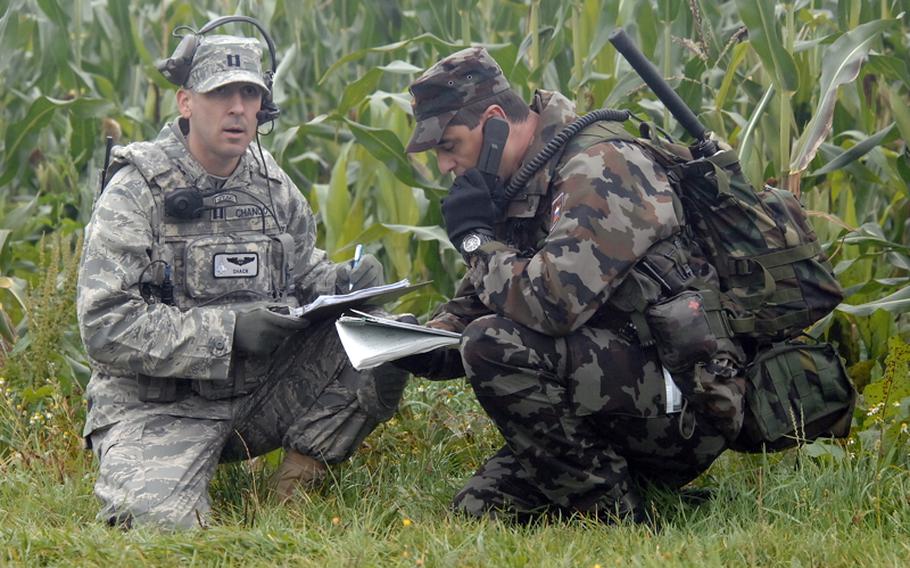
(514, 106)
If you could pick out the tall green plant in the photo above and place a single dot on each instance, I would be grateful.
(813, 92)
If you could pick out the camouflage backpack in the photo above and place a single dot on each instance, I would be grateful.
(766, 254)
(771, 280)
(771, 266)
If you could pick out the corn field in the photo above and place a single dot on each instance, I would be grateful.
(813, 93)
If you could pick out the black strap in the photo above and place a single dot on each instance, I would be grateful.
(519, 180)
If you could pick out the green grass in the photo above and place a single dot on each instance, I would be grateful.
(389, 506)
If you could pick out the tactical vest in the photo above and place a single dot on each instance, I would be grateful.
(234, 252)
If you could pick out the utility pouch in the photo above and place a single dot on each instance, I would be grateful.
(795, 393)
(157, 389)
(682, 331)
(214, 390)
(247, 374)
(219, 266)
(226, 388)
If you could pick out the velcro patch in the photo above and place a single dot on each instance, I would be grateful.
(236, 265)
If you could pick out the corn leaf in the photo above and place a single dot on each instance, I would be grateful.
(358, 90)
(426, 38)
(841, 65)
(385, 146)
(337, 201)
(898, 302)
(855, 152)
(39, 115)
(765, 38)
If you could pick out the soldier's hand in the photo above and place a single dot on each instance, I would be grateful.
(367, 273)
(259, 330)
(468, 207)
(422, 364)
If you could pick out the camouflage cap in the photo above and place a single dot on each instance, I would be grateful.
(223, 59)
(460, 79)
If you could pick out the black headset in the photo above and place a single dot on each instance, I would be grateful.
(176, 68)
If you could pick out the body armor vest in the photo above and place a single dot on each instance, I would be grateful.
(231, 250)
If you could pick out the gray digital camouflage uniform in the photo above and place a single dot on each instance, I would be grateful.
(582, 406)
(169, 397)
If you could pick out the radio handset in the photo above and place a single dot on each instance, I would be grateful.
(495, 135)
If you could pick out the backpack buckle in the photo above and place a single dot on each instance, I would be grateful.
(742, 266)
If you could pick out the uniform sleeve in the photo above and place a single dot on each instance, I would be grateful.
(612, 204)
(457, 313)
(119, 328)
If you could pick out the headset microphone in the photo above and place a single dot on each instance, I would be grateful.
(268, 111)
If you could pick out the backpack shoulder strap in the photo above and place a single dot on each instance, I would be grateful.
(601, 131)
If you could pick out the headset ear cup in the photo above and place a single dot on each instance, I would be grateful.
(176, 68)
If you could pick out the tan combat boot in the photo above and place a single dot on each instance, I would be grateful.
(297, 470)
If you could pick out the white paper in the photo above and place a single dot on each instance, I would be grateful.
(332, 305)
(370, 341)
(674, 398)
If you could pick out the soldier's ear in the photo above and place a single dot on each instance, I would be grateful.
(494, 110)
(184, 104)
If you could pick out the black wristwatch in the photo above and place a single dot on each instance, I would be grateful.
(472, 243)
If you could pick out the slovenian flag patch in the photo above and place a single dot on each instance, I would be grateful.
(556, 208)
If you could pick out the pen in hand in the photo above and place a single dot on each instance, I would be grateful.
(358, 255)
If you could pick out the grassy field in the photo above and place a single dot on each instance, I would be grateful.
(389, 507)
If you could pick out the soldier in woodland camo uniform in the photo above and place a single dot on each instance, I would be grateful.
(190, 366)
(581, 405)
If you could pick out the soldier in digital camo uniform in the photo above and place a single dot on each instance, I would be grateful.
(195, 237)
(581, 405)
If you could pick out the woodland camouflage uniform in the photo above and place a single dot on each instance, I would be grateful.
(169, 396)
(581, 405)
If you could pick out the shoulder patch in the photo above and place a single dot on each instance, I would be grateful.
(556, 207)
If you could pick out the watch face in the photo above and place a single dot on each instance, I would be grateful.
(471, 243)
